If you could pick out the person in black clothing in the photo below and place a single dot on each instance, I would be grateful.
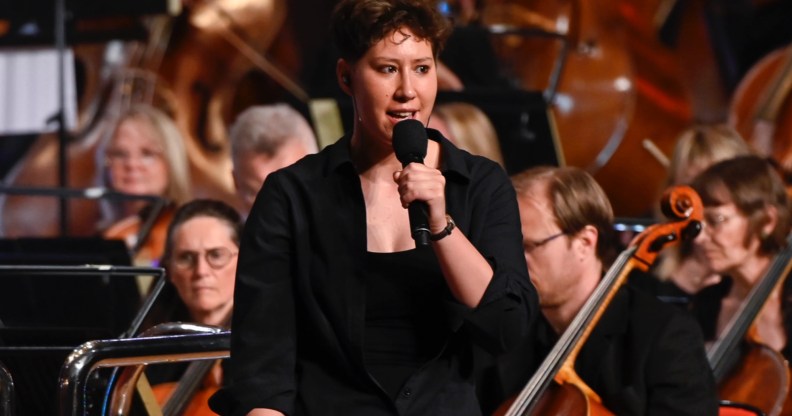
(644, 357)
(336, 310)
(200, 256)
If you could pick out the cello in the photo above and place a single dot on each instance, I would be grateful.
(761, 376)
(555, 388)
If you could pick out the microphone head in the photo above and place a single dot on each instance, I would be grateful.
(409, 141)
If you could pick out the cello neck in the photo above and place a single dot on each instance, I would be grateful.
(718, 354)
(190, 382)
(566, 349)
(188, 385)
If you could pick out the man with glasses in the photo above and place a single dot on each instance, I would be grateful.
(643, 357)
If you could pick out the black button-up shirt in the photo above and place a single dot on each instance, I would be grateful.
(298, 326)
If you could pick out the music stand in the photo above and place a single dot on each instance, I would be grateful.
(34, 350)
(524, 125)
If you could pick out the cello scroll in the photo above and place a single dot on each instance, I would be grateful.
(683, 206)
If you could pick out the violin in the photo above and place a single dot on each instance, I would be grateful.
(760, 377)
(556, 388)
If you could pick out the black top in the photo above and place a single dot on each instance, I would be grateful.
(644, 357)
(300, 300)
(404, 321)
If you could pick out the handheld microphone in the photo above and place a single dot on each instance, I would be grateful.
(409, 144)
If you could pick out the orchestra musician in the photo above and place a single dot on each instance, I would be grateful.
(338, 311)
(144, 155)
(680, 272)
(468, 128)
(264, 139)
(200, 257)
(747, 220)
(644, 357)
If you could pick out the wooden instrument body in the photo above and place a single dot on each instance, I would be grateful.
(761, 108)
(618, 85)
(191, 67)
(563, 400)
(761, 379)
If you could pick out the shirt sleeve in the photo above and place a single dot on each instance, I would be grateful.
(263, 338)
(510, 302)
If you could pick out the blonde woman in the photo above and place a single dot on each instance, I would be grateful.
(144, 156)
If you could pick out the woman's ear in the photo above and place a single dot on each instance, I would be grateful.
(772, 220)
(343, 71)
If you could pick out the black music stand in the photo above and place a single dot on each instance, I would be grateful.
(34, 348)
(522, 121)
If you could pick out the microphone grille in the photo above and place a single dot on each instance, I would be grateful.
(409, 140)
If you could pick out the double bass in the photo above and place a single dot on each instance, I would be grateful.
(191, 66)
(618, 93)
(556, 388)
(761, 108)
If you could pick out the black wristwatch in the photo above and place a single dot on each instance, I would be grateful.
(446, 231)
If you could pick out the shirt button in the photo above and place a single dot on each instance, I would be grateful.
(407, 393)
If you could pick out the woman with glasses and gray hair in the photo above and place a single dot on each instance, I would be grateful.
(200, 258)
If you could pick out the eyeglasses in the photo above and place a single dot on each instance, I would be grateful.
(714, 221)
(147, 157)
(533, 245)
(215, 257)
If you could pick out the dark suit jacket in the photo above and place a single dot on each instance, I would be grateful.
(643, 358)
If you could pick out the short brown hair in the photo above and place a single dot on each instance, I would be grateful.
(578, 201)
(202, 208)
(753, 185)
(359, 24)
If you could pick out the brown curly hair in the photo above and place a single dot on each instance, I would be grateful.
(359, 24)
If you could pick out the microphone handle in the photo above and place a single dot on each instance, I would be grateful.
(418, 212)
(419, 222)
